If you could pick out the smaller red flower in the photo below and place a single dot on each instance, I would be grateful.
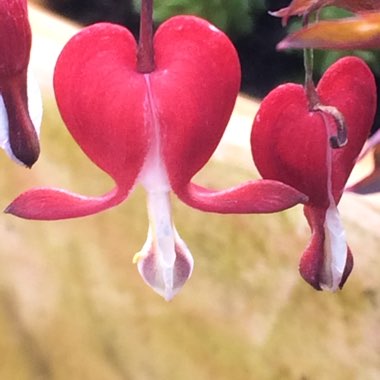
(20, 100)
(292, 144)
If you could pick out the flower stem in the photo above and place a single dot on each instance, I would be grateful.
(311, 92)
(145, 53)
(340, 140)
(308, 61)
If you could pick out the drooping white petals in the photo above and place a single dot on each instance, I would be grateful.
(165, 263)
(335, 250)
(35, 112)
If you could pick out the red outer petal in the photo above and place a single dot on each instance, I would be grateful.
(195, 85)
(349, 85)
(15, 45)
(312, 259)
(289, 142)
(102, 99)
(15, 37)
(262, 196)
(55, 204)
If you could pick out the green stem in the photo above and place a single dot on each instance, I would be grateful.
(308, 61)
(145, 53)
(340, 140)
(311, 92)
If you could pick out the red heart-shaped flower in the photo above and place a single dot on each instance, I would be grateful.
(157, 128)
(290, 143)
(191, 93)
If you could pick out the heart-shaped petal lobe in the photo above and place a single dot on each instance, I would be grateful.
(194, 86)
(289, 141)
(102, 99)
(291, 144)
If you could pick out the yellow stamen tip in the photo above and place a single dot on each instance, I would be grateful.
(137, 257)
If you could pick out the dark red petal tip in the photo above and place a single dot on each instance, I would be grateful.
(23, 139)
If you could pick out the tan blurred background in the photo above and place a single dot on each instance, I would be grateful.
(73, 307)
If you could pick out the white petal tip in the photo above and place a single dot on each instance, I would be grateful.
(335, 250)
(165, 280)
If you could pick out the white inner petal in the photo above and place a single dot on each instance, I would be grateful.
(164, 262)
(35, 112)
(162, 228)
(335, 250)
(4, 125)
(335, 244)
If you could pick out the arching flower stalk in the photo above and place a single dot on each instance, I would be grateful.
(20, 100)
(292, 144)
(152, 114)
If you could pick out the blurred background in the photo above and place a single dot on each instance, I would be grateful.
(72, 305)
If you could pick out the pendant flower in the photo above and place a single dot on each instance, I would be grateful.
(20, 100)
(292, 144)
(156, 128)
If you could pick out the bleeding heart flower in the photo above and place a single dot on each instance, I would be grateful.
(20, 100)
(291, 144)
(155, 128)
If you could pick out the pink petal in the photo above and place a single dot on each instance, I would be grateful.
(55, 204)
(262, 196)
(102, 99)
(194, 86)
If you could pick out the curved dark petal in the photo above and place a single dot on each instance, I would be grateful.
(22, 136)
(261, 196)
(55, 204)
